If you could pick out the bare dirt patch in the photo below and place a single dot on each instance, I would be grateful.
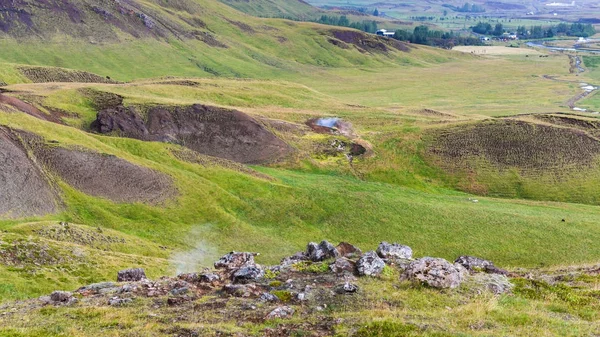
(107, 176)
(366, 42)
(25, 190)
(505, 144)
(213, 131)
(30, 109)
(50, 74)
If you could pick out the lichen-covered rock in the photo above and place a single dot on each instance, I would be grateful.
(131, 275)
(343, 265)
(99, 288)
(394, 251)
(281, 312)
(435, 272)
(268, 297)
(494, 283)
(61, 297)
(209, 278)
(346, 288)
(319, 252)
(370, 264)
(118, 302)
(348, 250)
(247, 274)
(476, 264)
(235, 260)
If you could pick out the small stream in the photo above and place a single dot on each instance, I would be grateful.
(576, 48)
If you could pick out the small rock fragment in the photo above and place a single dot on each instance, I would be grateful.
(281, 312)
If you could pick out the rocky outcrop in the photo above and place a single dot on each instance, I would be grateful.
(235, 260)
(131, 275)
(435, 272)
(370, 264)
(476, 264)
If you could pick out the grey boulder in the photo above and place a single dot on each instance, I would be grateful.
(131, 275)
(435, 272)
(322, 251)
(394, 251)
(370, 264)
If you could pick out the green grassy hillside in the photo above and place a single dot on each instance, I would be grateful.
(296, 9)
(412, 109)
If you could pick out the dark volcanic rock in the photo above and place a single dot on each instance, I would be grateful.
(131, 275)
(319, 252)
(247, 274)
(61, 296)
(370, 264)
(213, 131)
(290, 260)
(435, 272)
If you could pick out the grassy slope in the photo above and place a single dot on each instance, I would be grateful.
(274, 8)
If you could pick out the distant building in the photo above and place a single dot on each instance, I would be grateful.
(383, 32)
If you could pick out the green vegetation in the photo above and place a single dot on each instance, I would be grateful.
(443, 143)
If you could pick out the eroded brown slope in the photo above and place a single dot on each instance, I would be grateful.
(24, 190)
(213, 131)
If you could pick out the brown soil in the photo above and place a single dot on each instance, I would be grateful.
(208, 161)
(590, 125)
(49, 74)
(366, 42)
(30, 109)
(25, 191)
(514, 144)
(213, 131)
(107, 176)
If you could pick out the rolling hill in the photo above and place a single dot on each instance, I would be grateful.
(163, 134)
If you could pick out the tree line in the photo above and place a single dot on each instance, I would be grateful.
(437, 38)
(365, 25)
(466, 8)
(538, 32)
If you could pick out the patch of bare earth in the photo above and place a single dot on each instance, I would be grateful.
(25, 191)
(213, 131)
(49, 74)
(506, 144)
(366, 42)
(107, 176)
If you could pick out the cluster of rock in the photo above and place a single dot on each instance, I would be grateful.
(237, 274)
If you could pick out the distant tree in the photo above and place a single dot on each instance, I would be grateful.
(420, 34)
(482, 28)
(498, 30)
(375, 12)
(343, 21)
(445, 12)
